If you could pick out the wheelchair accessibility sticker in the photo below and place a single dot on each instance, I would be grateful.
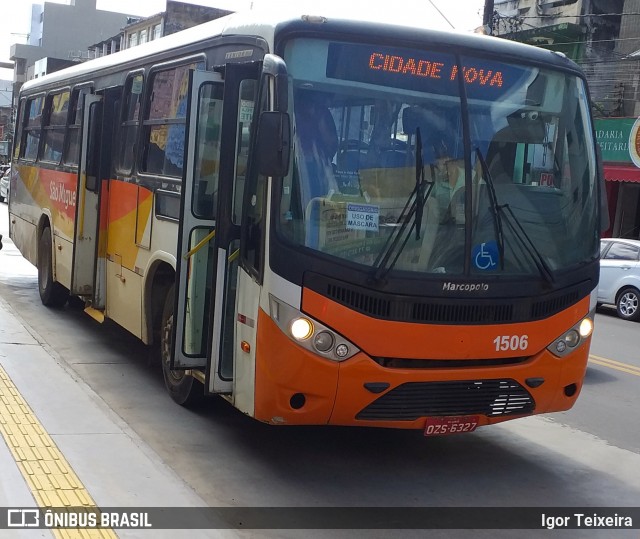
(485, 256)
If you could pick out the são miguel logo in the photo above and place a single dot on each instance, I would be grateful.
(634, 143)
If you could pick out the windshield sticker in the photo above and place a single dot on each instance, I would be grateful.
(485, 256)
(363, 217)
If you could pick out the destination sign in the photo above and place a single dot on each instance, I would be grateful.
(423, 71)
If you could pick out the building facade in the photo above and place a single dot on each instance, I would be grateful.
(603, 36)
(52, 46)
(51, 37)
(177, 16)
(6, 119)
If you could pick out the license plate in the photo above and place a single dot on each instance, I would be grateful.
(439, 426)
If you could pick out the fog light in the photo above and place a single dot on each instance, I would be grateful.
(342, 350)
(323, 341)
(572, 338)
(301, 329)
(586, 327)
(561, 346)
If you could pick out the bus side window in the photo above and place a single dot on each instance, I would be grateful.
(255, 185)
(54, 128)
(130, 119)
(165, 121)
(72, 149)
(32, 127)
(19, 132)
(207, 159)
(248, 91)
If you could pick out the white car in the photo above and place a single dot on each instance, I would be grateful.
(620, 276)
(4, 186)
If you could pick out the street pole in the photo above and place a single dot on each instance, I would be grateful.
(487, 19)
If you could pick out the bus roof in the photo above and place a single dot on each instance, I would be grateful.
(266, 24)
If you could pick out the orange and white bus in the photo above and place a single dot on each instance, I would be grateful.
(325, 221)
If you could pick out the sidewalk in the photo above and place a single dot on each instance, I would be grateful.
(115, 467)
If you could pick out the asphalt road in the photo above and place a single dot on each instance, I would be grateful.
(586, 457)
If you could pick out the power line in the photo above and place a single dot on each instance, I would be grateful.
(613, 40)
(586, 16)
(552, 33)
(441, 14)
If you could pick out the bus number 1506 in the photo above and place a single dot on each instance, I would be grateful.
(511, 342)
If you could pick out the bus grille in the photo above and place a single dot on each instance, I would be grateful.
(439, 310)
(412, 400)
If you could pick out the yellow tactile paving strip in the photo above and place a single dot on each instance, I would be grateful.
(52, 481)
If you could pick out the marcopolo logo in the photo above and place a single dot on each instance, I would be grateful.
(60, 193)
(465, 287)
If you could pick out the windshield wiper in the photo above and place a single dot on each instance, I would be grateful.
(414, 207)
(520, 233)
(495, 209)
(514, 224)
(420, 185)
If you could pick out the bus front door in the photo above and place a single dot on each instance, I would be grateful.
(209, 233)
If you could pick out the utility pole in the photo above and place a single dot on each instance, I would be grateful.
(487, 19)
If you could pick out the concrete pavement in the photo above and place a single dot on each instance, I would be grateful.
(108, 464)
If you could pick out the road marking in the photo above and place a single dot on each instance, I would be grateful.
(49, 476)
(617, 365)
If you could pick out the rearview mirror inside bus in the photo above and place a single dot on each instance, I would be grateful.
(274, 144)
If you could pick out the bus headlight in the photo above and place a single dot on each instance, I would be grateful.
(586, 327)
(571, 339)
(309, 333)
(323, 341)
(301, 329)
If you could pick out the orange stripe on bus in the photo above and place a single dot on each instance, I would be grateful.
(386, 338)
(123, 199)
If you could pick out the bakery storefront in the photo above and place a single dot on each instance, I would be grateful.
(619, 140)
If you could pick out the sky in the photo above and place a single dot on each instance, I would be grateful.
(462, 14)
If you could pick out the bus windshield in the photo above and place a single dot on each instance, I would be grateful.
(387, 170)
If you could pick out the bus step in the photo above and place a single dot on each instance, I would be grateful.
(95, 314)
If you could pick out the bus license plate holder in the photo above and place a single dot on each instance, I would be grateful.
(441, 426)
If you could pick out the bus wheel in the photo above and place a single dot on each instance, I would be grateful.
(52, 294)
(184, 389)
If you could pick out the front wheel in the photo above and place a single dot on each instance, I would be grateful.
(628, 304)
(184, 389)
(52, 294)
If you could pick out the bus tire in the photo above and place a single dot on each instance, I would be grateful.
(183, 389)
(52, 294)
(628, 304)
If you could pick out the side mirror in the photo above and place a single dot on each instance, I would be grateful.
(274, 144)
